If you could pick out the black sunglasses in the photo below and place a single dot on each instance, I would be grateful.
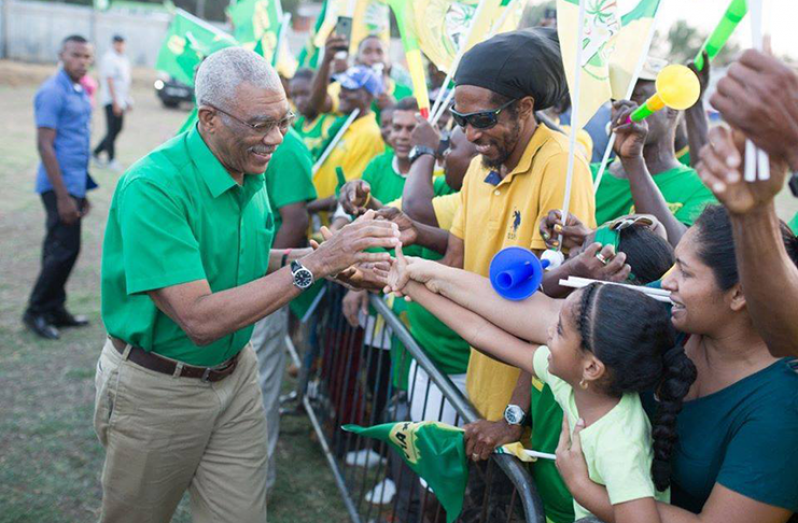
(480, 119)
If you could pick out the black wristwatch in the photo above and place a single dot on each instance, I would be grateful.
(514, 415)
(303, 278)
(420, 150)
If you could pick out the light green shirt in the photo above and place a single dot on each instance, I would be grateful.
(177, 216)
(617, 447)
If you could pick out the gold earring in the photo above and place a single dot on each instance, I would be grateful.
(583, 384)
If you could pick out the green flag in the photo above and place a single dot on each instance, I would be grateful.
(188, 41)
(433, 450)
(309, 55)
(257, 25)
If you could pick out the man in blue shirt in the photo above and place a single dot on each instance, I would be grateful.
(63, 116)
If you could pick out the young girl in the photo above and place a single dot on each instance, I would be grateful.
(608, 344)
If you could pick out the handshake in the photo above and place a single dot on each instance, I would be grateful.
(343, 256)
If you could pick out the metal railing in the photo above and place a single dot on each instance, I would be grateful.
(355, 375)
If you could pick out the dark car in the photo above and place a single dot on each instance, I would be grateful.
(172, 92)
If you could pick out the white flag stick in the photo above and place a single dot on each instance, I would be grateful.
(569, 176)
(658, 294)
(641, 61)
(335, 140)
(536, 454)
(460, 52)
(759, 165)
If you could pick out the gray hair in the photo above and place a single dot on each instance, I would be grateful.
(221, 73)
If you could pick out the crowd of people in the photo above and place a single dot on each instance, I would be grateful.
(677, 412)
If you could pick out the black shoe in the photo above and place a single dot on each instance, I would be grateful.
(62, 318)
(41, 325)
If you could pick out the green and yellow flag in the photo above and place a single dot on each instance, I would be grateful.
(443, 25)
(433, 450)
(612, 43)
(371, 17)
(257, 25)
(188, 41)
(403, 10)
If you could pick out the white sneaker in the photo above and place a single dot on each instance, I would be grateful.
(382, 493)
(98, 162)
(363, 458)
(116, 166)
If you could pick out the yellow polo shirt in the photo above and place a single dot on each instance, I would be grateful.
(445, 208)
(496, 213)
(358, 146)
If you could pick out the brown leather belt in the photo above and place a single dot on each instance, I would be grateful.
(153, 362)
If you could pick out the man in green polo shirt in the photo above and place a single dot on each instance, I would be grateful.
(184, 277)
(647, 178)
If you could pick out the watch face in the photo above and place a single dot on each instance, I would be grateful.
(513, 415)
(303, 278)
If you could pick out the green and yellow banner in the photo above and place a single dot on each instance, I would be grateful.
(611, 47)
(433, 450)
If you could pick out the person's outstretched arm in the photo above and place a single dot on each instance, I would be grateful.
(768, 276)
(528, 319)
(695, 118)
(646, 195)
(476, 330)
(419, 189)
(320, 101)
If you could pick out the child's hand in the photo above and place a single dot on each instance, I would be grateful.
(570, 459)
(399, 274)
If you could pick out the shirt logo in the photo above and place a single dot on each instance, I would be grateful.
(512, 234)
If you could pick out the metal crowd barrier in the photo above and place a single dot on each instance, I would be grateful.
(345, 378)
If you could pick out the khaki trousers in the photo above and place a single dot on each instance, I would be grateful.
(163, 435)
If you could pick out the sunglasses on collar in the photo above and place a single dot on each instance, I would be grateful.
(480, 119)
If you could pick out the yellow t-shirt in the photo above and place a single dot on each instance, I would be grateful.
(358, 146)
(497, 213)
(445, 209)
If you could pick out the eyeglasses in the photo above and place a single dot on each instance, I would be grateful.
(480, 119)
(262, 129)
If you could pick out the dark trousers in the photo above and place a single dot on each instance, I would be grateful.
(59, 253)
(114, 128)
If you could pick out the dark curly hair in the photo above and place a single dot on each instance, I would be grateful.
(648, 254)
(632, 335)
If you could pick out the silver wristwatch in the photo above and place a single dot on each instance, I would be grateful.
(514, 415)
(303, 278)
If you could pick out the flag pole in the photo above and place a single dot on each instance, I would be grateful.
(441, 107)
(340, 134)
(757, 163)
(641, 61)
(569, 177)
(460, 52)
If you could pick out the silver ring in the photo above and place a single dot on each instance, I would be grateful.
(601, 258)
(474, 456)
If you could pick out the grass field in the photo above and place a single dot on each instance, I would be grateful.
(50, 459)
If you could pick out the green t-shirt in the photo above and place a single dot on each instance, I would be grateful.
(617, 447)
(681, 187)
(742, 437)
(177, 216)
(289, 176)
(546, 418)
(318, 133)
(794, 223)
(445, 348)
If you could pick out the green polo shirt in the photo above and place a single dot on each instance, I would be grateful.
(177, 216)
(289, 176)
(794, 223)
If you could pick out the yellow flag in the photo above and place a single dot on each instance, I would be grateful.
(442, 26)
(372, 17)
(611, 46)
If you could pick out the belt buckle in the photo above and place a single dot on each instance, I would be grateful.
(205, 378)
